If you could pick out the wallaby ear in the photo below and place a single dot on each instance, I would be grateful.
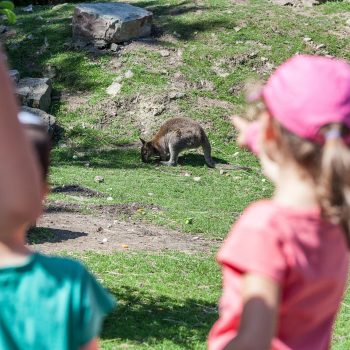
(142, 140)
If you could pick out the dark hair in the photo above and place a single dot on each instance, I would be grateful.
(40, 140)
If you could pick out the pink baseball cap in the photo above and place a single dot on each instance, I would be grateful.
(308, 92)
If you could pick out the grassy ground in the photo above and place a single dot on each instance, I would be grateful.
(215, 46)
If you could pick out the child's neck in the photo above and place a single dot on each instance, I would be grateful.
(295, 188)
(13, 249)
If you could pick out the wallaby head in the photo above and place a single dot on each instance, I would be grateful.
(148, 151)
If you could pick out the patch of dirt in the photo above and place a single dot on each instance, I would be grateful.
(73, 232)
(211, 102)
(74, 101)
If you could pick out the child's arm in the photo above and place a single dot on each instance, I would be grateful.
(19, 177)
(92, 345)
(258, 321)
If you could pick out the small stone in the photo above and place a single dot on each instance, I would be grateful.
(14, 74)
(109, 226)
(235, 154)
(263, 180)
(28, 8)
(3, 29)
(253, 54)
(187, 174)
(264, 59)
(105, 240)
(348, 22)
(307, 40)
(87, 164)
(237, 29)
(195, 238)
(223, 172)
(320, 46)
(125, 246)
(129, 74)
(99, 179)
(109, 198)
(174, 95)
(197, 179)
(165, 53)
(115, 47)
(114, 89)
(99, 229)
(75, 157)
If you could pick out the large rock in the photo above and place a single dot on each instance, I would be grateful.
(110, 22)
(48, 119)
(35, 92)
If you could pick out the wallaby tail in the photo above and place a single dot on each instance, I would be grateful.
(207, 151)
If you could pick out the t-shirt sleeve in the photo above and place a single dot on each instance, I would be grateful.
(95, 304)
(255, 244)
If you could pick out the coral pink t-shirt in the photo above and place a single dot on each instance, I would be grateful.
(307, 256)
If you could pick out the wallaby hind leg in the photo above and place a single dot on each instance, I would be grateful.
(174, 154)
(207, 152)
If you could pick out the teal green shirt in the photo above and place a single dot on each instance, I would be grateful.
(50, 303)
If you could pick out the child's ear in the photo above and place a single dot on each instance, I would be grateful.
(269, 131)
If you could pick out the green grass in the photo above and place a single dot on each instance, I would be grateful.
(165, 301)
(165, 298)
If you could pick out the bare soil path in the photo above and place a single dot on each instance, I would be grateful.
(76, 232)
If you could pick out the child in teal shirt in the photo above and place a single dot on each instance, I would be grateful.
(46, 302)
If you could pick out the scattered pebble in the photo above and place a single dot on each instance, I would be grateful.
(87, 164)
(320, 46)
(197, 178)
(263, 180)
(114, 89)
(195, 238)
(99, 179)
(307, 40)
(264, 59)
(99, 229)
(75, 157)
(223, 172)
(173, 95)
(114, 47)
(104, 240)
(110, 226)
(125, 246)
(28, 8)
(165, 53)
(237, 29)
(129, 74)
(109, 198)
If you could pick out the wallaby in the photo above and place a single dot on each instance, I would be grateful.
(174, 136)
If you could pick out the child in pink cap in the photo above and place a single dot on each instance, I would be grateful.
(285, 262)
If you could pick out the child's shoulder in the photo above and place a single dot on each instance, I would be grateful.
(60, 266)
(259, 213)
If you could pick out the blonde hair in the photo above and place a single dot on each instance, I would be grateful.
(328, 163)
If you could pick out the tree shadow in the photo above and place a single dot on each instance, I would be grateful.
(144, 318)
(197, 160)
(37, 235)
(114, 158)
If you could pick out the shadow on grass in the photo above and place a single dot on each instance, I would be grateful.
(115, 158)
(37, 235)
(144, 318)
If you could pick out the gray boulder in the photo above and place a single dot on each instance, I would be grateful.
(35, 92)
(110, 22)
(48, 119)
